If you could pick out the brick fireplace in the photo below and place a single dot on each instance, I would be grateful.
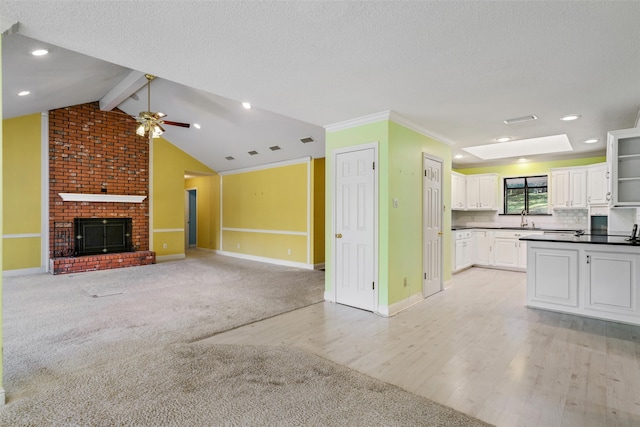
(98, 168)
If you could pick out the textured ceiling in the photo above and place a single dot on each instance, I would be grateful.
(456, 69)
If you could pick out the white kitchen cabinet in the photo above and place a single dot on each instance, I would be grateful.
(594, 280)
(458, 191)
(569, 188)
(509, 251)
(481, 191)
(610, 281)
(482, 243)
(598, 192)
(623, 155)
(552, 277)
(463, 252)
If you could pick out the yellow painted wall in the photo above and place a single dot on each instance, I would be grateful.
(266, 199)
(273, 199)
(318, 218)
(531, 168)
(207, 209)
(169, 166)
(21, 191)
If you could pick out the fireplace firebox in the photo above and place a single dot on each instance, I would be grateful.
(102, 235)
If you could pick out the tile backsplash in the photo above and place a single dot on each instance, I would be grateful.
(571, 219)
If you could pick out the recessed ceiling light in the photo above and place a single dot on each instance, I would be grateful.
(520, 119)
(503, 139)
(197, 126)
(246, 105)
(570, 117)
(591, 141)
(39, 52)
(522, 159)
(24, 93)
(458, 156)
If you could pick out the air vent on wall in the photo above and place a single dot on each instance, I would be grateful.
(306, 140)
(229, 158)
(253, 153)
(274, 148)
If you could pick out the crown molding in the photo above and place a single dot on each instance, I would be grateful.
(392, 116)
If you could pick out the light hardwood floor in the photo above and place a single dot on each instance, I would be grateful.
(476, 348)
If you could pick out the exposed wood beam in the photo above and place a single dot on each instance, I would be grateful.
(127, 87)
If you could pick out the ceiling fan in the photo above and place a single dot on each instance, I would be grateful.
(149, 122)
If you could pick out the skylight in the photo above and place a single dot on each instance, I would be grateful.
(522, 147)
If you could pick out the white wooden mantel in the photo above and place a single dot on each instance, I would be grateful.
(80, 197)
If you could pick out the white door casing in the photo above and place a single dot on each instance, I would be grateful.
(432, 226)
(355, 226)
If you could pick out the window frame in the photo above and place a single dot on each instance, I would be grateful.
(503, 184)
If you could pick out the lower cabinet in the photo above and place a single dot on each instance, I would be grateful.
(610, 281)
(601, 281)
(490, 248)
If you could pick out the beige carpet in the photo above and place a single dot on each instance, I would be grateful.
(124, 348)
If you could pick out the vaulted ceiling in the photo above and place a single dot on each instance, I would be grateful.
(456, 70)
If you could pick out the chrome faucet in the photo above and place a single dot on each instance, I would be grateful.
(523, 221)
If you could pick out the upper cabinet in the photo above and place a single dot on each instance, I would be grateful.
(598, 192)
(623, 155)
(458, 191)
(569, 188)
(474, 192)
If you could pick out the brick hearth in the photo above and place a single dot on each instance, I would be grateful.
(80, 264)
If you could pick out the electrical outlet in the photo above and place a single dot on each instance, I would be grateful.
(288, 251)
(164, 246)
(238, 245)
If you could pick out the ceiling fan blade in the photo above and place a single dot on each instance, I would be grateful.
(182, 125)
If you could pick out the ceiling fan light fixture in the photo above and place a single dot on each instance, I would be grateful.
(197, 126)
(246, 105)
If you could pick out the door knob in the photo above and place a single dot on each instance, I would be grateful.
(439, 233)
(339, 235)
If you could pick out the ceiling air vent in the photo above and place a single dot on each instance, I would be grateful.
(253, 153)
(274, 148)
(229, 158)
(520, 119)
(306, 140)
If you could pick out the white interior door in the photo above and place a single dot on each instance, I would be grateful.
(354, 228)
(432, 226)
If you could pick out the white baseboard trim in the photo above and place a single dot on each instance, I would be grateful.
(174, 257)
(24, 272)
(3, 399)
(319, 266)
(395, 308)
(329, 296)
(275, 261)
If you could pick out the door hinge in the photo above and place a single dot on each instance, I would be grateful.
(425, 276)
(373, 285)
(374, 165)
(425, 172)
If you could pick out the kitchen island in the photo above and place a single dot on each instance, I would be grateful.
(589, 275)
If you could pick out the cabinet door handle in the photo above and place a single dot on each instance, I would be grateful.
(588, 259)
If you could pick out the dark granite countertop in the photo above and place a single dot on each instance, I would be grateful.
(585, 238)
(558, 230)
